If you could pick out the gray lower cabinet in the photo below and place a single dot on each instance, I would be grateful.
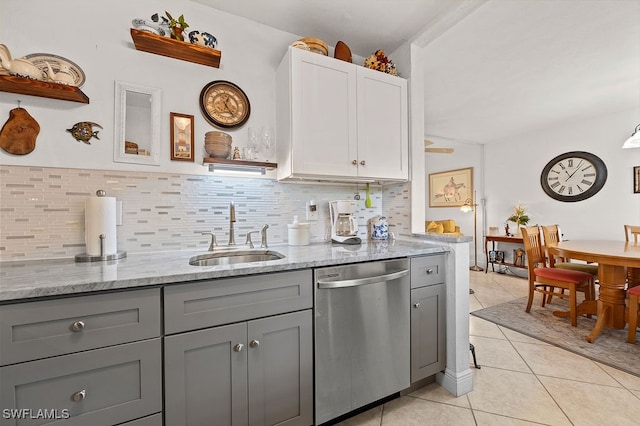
(428, 292)
(46, 328)
(82, 360)
(258, 372)
(104, 386)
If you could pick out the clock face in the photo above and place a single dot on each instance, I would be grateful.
(224, 104)
(573, 176)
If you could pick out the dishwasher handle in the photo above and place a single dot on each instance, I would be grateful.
(327, 283)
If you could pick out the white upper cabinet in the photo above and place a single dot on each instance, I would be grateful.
(337, 121)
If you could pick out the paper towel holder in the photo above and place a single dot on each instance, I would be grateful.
(85, 257)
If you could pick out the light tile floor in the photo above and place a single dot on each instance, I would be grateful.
(523, 381)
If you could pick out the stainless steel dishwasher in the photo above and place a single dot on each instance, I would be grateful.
(362, 332)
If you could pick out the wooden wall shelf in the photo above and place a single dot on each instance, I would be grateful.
(45, 89)
(165, 46)
(242, 163)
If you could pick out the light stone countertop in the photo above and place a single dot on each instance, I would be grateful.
(44, 278)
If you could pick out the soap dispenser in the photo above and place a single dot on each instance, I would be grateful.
(299, 233)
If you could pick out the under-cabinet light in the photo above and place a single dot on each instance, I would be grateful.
(236, 169)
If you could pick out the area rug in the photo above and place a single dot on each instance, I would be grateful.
(610, 348)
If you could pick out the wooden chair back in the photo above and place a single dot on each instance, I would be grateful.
(533, 247)
(552, 235)
(632, 233)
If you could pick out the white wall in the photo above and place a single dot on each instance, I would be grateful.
(513, 167)
(95, 35)
(42, 193)
(465, 154)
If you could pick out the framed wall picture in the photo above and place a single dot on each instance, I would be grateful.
(451, 188)
(636, 179)
(182, 148)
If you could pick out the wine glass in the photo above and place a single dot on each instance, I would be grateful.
(267, 141)
(253, 143)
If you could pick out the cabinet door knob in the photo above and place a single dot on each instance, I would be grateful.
(354, 162)
(254, 343)
(79, 396)
(429, 271)
(77, 326)
(362, 163)
(416, 305)
(238, 347)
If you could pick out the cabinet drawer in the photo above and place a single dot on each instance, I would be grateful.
(427, 270)
(47, 328)
(215, 302)
(100, 387)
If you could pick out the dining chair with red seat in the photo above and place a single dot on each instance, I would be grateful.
(634, 301)
(552, 235)
(551, 281)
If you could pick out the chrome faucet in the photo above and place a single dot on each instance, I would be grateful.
(264, 236)
(214, 243)
(232, 219)
(249, 242)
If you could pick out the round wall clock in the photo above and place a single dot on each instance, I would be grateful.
(573, 176)
(224, 104)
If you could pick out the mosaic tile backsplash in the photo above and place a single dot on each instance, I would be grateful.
(42, 209)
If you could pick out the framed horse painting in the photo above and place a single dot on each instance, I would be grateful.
(451, 188)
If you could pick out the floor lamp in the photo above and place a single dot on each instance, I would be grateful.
(471, 205)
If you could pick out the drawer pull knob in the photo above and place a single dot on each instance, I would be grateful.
(363, 163)
(417, 305)
(354, 162)
(254, 343)
(238, 347)
(79, 396)
(77, 326)
(430, 271)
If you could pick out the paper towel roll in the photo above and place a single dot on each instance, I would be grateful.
(100, 218)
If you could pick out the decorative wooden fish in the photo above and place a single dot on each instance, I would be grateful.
(83, 131)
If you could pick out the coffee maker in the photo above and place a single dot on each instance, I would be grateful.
(344, 226)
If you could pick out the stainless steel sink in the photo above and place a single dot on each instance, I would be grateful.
(229, 257)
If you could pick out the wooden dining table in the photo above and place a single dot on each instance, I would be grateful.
(613, 258)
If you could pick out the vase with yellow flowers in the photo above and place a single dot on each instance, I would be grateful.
(520, 218)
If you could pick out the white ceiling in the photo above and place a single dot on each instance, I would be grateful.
(493, 69)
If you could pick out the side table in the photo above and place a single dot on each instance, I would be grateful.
(500, 239)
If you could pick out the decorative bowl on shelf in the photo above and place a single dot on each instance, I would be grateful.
(300, 45)
(215, 136)
(217, 144)
(316, 45)
(218, 149)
